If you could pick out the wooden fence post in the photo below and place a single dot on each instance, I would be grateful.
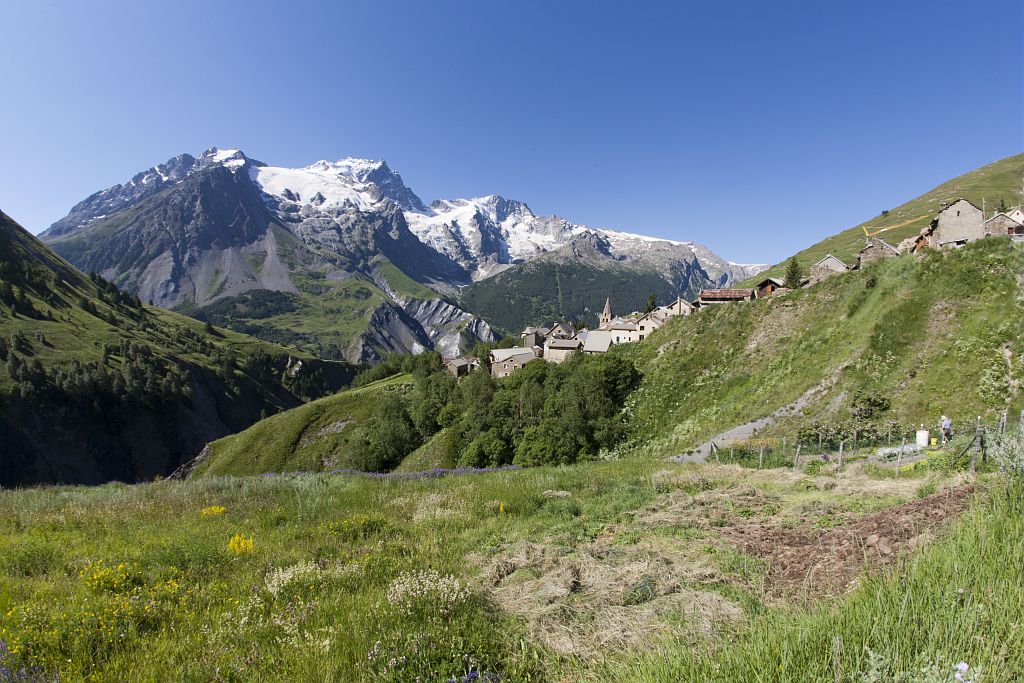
(899, 456)
(783, 447)
(979, 436)
(760, 459)
(1022, 423)
(841, 458)
(796, 458)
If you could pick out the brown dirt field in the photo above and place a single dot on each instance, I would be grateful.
(821, 563)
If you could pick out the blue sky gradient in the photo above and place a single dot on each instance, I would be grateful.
(756, 128)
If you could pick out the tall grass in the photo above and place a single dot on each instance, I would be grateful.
(961, 600)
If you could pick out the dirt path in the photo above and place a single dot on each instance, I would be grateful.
(745, 431)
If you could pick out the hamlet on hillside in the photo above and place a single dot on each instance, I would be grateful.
(955, 225)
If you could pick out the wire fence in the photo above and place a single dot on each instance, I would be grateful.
(835, 443)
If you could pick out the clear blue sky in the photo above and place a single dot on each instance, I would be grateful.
(755, 128)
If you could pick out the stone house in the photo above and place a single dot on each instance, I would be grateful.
(825, 268)
(651, 321)
(956, 225)
(1001, 225)
(506, 361)
(876, 249)
(678, 307)
(769, 286)
(597, 341)
(533, 336)
(710, 297)
(461, 366)
(562, 331)
(558, 350)
(624, 332)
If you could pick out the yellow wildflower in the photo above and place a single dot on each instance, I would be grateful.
(240, 545)
(213, 511)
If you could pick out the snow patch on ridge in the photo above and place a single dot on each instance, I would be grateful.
(340, 182)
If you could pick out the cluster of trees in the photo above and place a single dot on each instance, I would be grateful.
(543, 414)
(16, 300)
(140, 378)
(109, 293)
(869, 422)
(253, 305)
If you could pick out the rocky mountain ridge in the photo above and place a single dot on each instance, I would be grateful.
(197, 231)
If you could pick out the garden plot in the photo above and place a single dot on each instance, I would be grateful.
(713, 547)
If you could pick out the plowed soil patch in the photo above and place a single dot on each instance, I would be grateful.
(826, 562)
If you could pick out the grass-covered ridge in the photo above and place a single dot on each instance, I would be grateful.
(313, 437)
(997, 184)
(95, 385)
(877, 351)
(941, 333)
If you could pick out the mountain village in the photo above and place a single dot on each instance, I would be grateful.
(957, 224)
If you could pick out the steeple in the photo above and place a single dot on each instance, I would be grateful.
(606, 316)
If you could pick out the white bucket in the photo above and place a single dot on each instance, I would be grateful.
(922, 437)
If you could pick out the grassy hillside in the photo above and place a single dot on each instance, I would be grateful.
(1000, 181)
(310, 438)
(97, 386)
(324, 316)
(634, 570)
(912, 338)
(868, 354)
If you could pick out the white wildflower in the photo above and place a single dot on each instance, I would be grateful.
(427, 591)
(280, 578)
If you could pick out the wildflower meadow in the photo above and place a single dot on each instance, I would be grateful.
(600, 572)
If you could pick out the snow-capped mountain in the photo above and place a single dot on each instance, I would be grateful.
(347, 183)
(484, 235)
(488, 234)
(195, 231)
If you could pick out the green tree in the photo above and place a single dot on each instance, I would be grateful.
(651, 303)
(429, 399)
(388, 437)
(794, 274)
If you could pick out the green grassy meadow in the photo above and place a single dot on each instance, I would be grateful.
(518, 575)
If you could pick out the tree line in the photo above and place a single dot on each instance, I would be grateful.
(543, 414)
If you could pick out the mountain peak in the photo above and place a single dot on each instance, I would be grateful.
(350, 181)
(349, 167)
(232, 158)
